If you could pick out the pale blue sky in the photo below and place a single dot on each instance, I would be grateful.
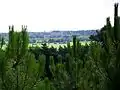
(40, 15)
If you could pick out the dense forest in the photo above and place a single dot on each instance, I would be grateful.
(78, 67)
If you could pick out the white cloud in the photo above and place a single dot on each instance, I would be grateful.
(47, 15)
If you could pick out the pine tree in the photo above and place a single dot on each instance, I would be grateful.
(18, 67)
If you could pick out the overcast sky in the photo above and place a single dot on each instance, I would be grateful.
(40, 15)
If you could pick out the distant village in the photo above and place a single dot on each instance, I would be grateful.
(56, 36)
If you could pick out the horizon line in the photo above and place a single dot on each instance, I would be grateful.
(56, 30)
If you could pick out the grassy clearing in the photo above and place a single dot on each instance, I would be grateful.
(51, 44)
(57, 45)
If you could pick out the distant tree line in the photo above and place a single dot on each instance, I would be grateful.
(90, 67)
(56, 37)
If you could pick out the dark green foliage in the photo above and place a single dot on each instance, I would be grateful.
(18, 67)
(109, 53)
(2, 42)
(116, 22)
(74, 46)
(90, 67)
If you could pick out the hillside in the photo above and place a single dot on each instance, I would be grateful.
(56, 36)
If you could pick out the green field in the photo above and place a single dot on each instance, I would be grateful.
(57, 45)
(52, 44)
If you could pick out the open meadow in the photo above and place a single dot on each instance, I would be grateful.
(57, 45)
